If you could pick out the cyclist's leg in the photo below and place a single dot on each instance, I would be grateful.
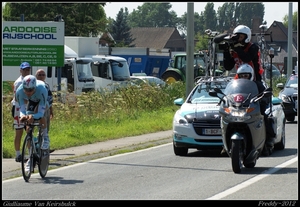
(43, 124)
(19, 127)
(46, 140)
(47, 115)
(44, 153)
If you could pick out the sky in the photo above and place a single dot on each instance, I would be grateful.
(274, 11)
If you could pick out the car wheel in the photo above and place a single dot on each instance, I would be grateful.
(281, 144)
(290, 118)
(180, 151)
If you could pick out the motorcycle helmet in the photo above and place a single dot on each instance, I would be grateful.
(245, 69)
(242, 29)
(29, 83)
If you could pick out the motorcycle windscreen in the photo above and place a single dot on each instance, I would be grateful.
(244, 86)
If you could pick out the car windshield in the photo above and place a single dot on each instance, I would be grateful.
(275, 71)
(293, 82)
(200, 93)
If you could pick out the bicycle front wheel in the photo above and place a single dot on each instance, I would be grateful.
(44, 162)
(27, 158)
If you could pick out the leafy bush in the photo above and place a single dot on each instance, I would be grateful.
(95, 116)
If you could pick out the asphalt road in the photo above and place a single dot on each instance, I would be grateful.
(156, 173)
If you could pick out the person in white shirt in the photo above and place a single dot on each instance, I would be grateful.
(25, 69)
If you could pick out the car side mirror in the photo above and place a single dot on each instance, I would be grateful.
(280, 85)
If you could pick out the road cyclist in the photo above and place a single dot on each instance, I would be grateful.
(32, 98)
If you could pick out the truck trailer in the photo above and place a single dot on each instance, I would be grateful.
(152, 62)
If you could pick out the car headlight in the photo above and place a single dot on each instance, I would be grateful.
(284, 98)
(178, 119)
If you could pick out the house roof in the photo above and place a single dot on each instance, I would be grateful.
(154, 37)
(279, 41)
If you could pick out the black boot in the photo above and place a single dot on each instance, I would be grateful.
(270, 142)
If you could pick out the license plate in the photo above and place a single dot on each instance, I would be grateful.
(212, 131)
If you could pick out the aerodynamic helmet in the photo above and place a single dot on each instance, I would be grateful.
(242, 29)
(244, 70)
(29, 83)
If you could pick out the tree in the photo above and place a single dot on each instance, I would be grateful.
(295, 21)
(153, 15)
(81, 19)
(250, 10)
(210, 17)
(231, 15)
(226, 17)
(120, 30)
(198, 23)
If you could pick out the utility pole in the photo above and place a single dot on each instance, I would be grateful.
(58, 18)
(190, 48)
(290, 41)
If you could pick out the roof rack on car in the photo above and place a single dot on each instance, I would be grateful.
(200, 79)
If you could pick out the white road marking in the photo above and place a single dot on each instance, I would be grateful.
(252, 180)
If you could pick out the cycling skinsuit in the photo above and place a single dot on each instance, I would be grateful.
(39, 97)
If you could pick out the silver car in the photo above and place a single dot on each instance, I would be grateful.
(197, 123)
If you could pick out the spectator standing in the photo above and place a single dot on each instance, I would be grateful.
(25, 69)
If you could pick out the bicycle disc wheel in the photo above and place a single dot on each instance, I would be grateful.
(44, 162)
(27, 157)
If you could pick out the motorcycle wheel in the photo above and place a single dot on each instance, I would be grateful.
(237, 155)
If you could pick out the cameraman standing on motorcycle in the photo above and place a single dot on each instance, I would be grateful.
(241, 50)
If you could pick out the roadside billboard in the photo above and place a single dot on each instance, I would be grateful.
(39, 43)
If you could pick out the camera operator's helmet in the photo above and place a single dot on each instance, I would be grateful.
(242, 29)
(29, 83)
(245, 70)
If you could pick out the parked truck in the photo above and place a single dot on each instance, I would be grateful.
(108, 72)
(152, 62)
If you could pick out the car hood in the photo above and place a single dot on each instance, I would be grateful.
(199, 111)
(289, 91)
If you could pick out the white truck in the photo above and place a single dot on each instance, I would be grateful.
(109, 72)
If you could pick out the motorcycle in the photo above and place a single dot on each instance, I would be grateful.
(242, 124)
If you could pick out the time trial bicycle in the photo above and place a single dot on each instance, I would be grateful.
(32, 154)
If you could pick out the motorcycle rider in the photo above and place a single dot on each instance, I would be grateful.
(246, 71)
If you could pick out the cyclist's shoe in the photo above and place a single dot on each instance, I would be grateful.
(45, 144)
(19, 158)
(27, 166)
